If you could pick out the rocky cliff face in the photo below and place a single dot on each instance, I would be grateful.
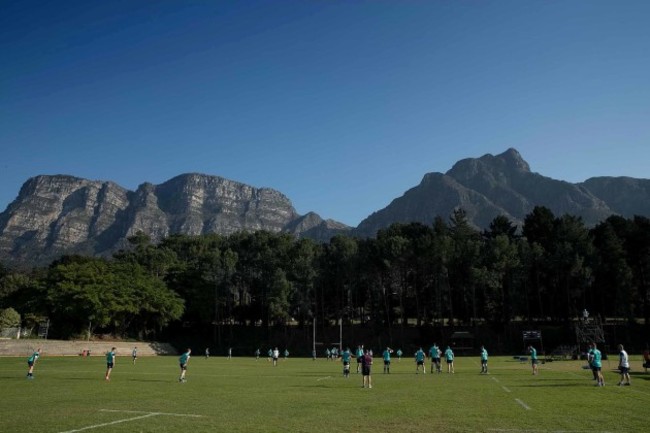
(489, 186)
(54, 215)
(62, 214)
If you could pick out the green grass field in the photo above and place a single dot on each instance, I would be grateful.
(301, 395)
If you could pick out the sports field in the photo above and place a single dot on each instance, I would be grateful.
(301, 395)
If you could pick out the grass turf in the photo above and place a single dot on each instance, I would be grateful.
(301, 395)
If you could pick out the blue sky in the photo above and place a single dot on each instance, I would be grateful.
(340, 105)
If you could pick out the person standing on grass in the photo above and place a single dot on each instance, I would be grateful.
(207, 352)
(270, 353)
(183, 360)
(449, 357)
(286, 354)
(346, 355)
(110, 363)
(386, 356)
(533, 358)
(230, 353)
(276, 355)
(590, 361)
(597, 363)
(30, 363)
(623, 366)
(484, 359)
(420, 357)
(359, 357)
(399, 355)
(257, 354)
(366, 364)
(434, 354)
(134, 354)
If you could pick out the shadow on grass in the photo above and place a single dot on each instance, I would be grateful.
(152, 380)
(639, 375)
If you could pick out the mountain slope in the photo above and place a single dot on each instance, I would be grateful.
(56, 215)
(504, 185)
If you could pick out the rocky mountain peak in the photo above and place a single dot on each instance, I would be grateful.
(60, 214)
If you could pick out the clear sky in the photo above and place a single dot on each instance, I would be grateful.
(340, 105)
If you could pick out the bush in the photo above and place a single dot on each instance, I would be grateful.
(9, 318)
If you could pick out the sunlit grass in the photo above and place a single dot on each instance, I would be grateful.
(244, 395)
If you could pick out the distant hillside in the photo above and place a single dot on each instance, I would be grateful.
(54, 215)
(504, 185)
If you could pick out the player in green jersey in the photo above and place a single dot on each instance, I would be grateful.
(346, 355)
(419, 361)
(183, 360)
(484, 360)
(449, 356)
(386, 356)
(533, 358)
(597, 364)
(434, 354)
(31, 361)
(110, 363)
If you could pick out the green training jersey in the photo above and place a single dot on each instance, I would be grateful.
(597, 362)
(345, 356)
(34, 357)
(533, 353)
(386, 355)
(484, 355)
(449, 355)
(184, 358)
(433, 352)
(419, 355)
(110, 356)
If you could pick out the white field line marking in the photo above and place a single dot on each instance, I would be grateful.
(522, 404)
(119, 421)
(495, 379)
(323, 378)
(154, 413)
(515, 430)
(505, 389)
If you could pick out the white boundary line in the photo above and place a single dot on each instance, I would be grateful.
(190, 415)
(135, 418)
(323, 378)
(119, 421)
(505, 389)
(516, 430)
(522, 404)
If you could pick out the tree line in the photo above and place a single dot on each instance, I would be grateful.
(446, 273)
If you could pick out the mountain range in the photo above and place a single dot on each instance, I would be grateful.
(60, 214)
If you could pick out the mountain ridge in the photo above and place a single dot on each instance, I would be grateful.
(63, 214)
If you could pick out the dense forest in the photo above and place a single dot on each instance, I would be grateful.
(410, 275)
